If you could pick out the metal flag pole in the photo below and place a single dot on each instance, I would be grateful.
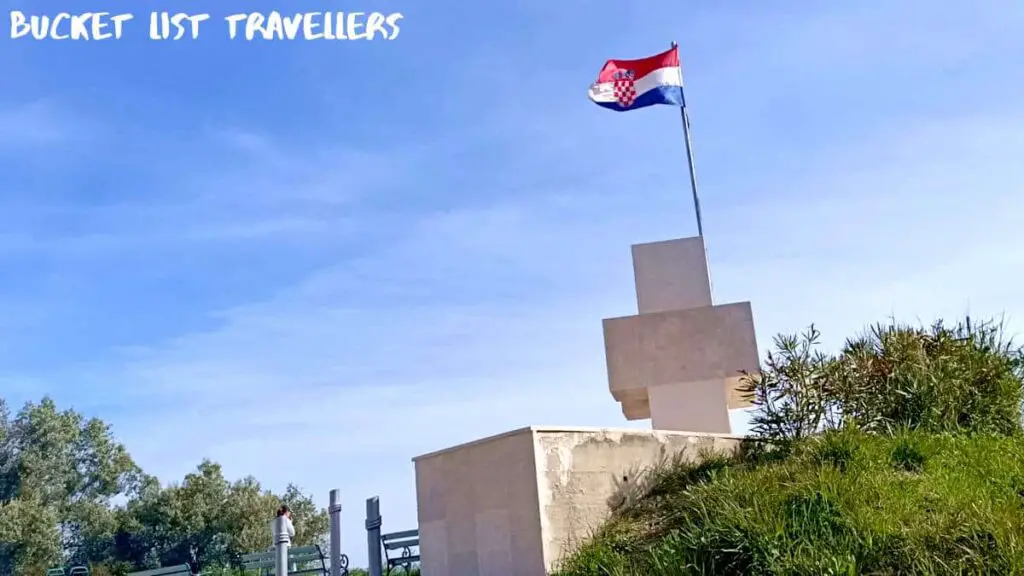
(689, 154)
(693, 174)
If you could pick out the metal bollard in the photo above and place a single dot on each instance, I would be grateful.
(282, 542)
(373, 522)
(335, 512)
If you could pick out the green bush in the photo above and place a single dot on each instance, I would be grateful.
(845, 502)
(901, 454)
(964, 378)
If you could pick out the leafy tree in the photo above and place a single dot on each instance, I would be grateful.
(58, 475)
(311, 523)
(208, 522)
(61, 475)
(30, 531)
(248, 512)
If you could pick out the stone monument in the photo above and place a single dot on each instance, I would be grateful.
(679, 361)
(515, 504)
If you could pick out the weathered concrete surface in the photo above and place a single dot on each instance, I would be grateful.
(517, 503)
(671, 275)
(477, 508)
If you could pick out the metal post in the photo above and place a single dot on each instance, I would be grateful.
(689, 156)
(373, 522)
(282, 541)
(335, 512)
(693, 176)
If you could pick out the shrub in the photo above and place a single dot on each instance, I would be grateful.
(907, 457)
(840, 503)
(900, 454)
(964, 378)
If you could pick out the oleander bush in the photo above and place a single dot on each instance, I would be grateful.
(961, 378)
(900, 454)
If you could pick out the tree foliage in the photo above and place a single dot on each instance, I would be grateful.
(71, 494)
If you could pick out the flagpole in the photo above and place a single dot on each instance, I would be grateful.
(693, 173)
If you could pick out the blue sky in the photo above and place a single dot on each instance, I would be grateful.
(312, 261)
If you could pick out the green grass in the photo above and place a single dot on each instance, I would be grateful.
(844, 502)
(901, 454)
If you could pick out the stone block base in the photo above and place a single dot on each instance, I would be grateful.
(517, 503)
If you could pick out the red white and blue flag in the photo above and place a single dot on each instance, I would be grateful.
(630, 84)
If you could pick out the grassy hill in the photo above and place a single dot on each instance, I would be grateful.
(902, 454)
(842, 503)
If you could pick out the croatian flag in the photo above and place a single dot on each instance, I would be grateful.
(630, 84)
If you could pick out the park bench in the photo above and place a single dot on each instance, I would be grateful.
(73, 571)
(182, 570)
(299, 559)
(401, 544)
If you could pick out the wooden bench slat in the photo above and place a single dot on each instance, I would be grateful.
(402, 534)
(182, 570)
(401, 545)
(292, 553)
(272, 566)
(403, 541)
(403, 560)
(270, 563)
(296, 556)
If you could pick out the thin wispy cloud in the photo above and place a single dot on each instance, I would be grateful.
(38, 124)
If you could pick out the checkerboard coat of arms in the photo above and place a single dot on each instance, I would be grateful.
(624, 87)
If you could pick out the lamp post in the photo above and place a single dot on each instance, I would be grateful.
(335, 512)
(282, 541)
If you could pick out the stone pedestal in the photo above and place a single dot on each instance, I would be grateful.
(518, 503)
(679, 360)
